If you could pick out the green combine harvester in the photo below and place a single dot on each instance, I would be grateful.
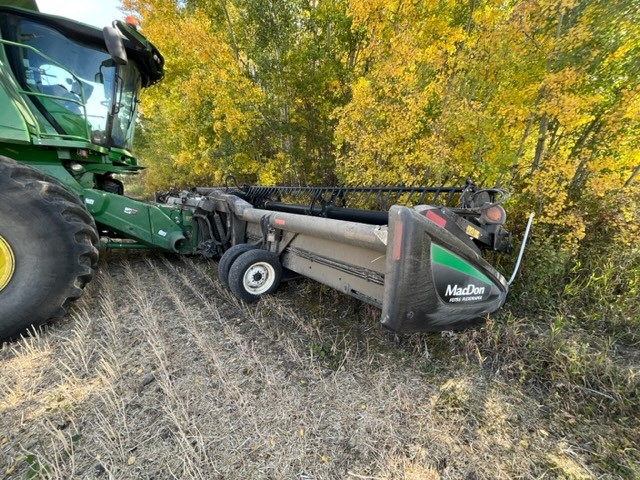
(68, 99)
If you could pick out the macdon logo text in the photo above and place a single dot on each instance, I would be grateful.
(456, 291)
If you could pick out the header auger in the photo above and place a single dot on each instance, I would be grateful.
(68, 98)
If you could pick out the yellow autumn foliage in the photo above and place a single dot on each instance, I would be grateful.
(539, 96)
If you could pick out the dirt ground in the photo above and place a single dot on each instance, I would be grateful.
(158, 372)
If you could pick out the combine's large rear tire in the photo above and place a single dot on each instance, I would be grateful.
(48, 248)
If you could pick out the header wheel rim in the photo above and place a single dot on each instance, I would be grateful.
(259, 278)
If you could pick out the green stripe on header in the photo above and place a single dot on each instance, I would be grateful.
(448, 259)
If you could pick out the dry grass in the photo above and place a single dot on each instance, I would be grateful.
(161, 373)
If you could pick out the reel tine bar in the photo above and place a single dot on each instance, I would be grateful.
(370, 198)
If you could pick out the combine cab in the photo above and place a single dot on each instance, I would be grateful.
(68, 98)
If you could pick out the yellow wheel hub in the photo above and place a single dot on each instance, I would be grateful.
(7, 263)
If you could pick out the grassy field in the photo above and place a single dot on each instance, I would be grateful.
(158, 372)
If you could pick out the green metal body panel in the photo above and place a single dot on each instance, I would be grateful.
(13, 126)
(17, 122)
(168, 228)
(26, 4)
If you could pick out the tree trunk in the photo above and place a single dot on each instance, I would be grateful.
(232, 36)
(633, 175)
(540, 145)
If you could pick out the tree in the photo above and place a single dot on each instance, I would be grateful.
(197, 123)
(250, 88)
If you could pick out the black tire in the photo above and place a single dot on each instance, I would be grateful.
(255, 273)
(52, 241)
(228, 258)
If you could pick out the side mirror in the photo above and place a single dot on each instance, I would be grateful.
(99, 77)
(106, 80)
(115, 46)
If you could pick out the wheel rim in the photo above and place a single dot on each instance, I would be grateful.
(7, 263)
(258, 278)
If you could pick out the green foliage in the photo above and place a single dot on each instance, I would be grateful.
(586, 379)
(250, 90)
(35, 470)
(327, 353)
(605, 291)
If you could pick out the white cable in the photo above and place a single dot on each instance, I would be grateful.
(524, 242)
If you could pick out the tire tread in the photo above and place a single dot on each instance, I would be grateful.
(242, 264)
(79, 225)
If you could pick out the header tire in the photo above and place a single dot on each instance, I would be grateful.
(228, 258)
(255, 273)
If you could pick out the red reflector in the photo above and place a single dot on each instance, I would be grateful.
(396, 251)
(495, 214)
(435, 218)
(279, 221)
